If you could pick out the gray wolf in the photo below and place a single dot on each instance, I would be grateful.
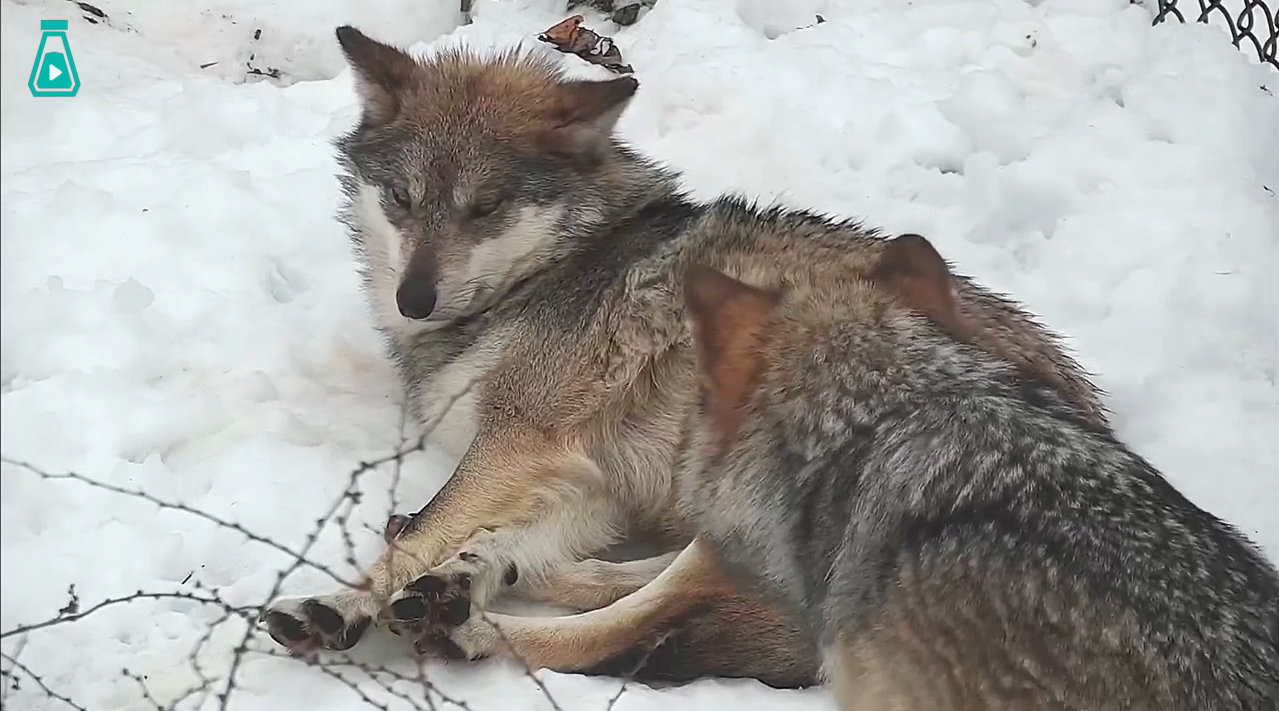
(525, 268)
(951, 532)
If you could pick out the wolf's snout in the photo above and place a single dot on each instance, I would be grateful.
(415, 298)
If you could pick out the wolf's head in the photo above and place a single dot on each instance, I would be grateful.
(467, 173)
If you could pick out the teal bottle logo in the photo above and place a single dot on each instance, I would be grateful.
(54, 72)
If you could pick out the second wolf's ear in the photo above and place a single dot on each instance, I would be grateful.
(912, 270)
(583, 114)
(381, 73)
(729, 319)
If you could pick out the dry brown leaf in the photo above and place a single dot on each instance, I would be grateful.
(570, 37)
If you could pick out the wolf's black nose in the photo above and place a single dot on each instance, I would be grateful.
(416, 298)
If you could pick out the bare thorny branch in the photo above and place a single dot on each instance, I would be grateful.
(360, 678)
(17, 666)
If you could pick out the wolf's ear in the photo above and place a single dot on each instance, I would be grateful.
(729, 318)
(912, 270)
(381, 73)
(583, 115)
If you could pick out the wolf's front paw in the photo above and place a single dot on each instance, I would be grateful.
(438, 613)
(436, 600)
(304, 625)
(445, 595)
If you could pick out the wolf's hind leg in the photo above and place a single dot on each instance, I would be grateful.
(690, 622)
(592, 583)
(576, 642)
(979, 634)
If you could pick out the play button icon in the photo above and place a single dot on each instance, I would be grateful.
(54, 76)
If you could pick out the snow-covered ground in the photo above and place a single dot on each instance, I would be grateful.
(180, 312)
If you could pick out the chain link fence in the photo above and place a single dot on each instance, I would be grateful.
(1251, 22)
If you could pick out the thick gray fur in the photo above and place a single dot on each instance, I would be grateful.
(885, 466)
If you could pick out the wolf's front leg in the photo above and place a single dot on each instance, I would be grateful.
(496, 559)
(517, 505)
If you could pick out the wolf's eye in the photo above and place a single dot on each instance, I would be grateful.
(401, 197)
(485, 207)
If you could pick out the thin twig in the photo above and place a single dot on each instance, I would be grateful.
(7, 680)
(113, 601)
(399, 461)
(14, 663)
